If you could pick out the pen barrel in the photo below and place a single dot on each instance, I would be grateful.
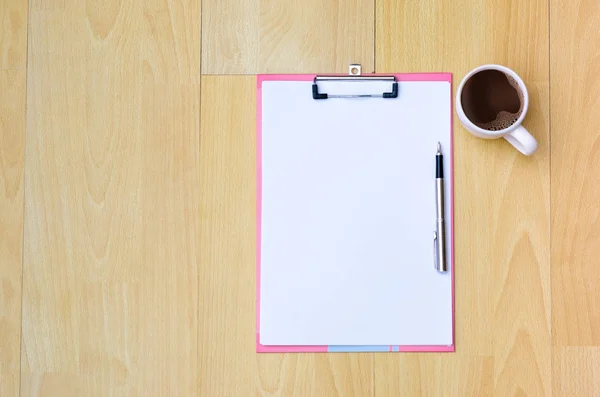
(442, 265)
(439, 198)
(441, 225)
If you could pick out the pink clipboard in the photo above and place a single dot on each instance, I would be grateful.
(260, 348)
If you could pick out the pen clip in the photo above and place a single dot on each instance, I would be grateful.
(435, 256)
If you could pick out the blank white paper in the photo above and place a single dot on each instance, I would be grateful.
(348, 215)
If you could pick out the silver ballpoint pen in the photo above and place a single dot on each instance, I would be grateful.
(439, 236)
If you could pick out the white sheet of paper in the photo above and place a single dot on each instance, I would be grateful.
(348, 215)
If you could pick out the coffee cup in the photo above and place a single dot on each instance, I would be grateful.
(491, 102)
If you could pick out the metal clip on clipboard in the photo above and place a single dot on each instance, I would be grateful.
(355, 75)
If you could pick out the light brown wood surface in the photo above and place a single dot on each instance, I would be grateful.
(281, 36)
(112, 209)
(127, 196)
(13, 34)
(575, 198)
(12, 157)
(13, 55)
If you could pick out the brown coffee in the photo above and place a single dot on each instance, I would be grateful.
(492, 100)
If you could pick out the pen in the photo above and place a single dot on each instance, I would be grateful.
(440, 233)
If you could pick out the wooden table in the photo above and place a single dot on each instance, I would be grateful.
(127, 196)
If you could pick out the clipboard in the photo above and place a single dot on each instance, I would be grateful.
(345, 213)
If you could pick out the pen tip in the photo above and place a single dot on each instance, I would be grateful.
(439, 148)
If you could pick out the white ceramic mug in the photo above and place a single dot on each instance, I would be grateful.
(516, 134)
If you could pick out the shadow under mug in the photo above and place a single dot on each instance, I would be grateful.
(515, 134)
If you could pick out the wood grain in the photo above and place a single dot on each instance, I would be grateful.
(576, 371)
(502, 212)
(575, 50)
(112, 210)
(575, 45)
(12, 161)
(227, 287)
(415, 375)
(52, 385)
(13, 34)
(13, 56)
(279, 36)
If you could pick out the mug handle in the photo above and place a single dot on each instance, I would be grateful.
(521, 139)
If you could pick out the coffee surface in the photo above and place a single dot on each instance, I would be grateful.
(492, 100)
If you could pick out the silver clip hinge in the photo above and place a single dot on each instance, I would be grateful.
(354, 69)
